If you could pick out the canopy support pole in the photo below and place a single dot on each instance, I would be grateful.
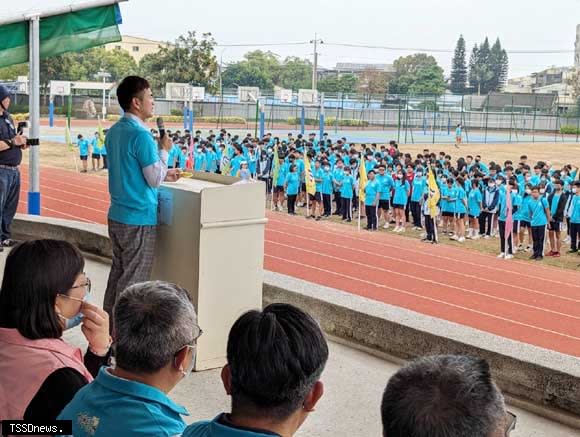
(34, 111)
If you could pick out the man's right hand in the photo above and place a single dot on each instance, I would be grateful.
(19, 140)
(165, 143)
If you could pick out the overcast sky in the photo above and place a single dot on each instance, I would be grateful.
(418, 24)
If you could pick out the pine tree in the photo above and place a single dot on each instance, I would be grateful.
(484, 69)
(459, 68)
(473, 63)
(504, 70)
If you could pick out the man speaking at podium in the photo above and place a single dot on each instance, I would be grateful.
(137, 167)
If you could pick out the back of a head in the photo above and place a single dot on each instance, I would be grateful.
(153, 321)
(442, 396)
(275, 357)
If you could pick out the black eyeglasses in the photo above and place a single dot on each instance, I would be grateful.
(511, 421)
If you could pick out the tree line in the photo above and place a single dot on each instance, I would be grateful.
(191, 59)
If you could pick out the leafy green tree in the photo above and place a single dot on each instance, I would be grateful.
(295, 73)
(12, 72)
(189, 60)
(258, 68)
(417, 74)
(459, 68)
(488, 67)
(345, 84)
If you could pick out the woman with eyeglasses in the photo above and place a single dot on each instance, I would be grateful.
(44, 292)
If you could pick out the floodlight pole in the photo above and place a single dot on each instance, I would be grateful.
(321, 124)
(34, 111)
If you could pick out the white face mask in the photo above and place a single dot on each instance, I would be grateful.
(575, 190)
(528, 191)
(542, 191)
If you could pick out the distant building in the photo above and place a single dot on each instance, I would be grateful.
(342, 68)
(137, 47)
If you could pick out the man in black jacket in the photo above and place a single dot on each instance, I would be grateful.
(11, 145)
(556, 202)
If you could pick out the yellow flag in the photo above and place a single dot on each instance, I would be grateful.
(310, 182)
(362, 180)
(101, 137)
(434, 194)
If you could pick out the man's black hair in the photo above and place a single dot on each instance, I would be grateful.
(275, 356)
(130, 87)
(442, 396)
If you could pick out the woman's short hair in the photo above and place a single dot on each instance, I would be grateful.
(35, 272)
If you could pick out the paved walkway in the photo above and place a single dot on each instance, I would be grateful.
(354, 382)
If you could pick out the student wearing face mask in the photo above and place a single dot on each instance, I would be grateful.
(539, 216)
(557, 202)
(326, 189)
(522, 219)
(346, 185)
(489, 203)
(419, 183)
(574, 215)
(39, 372)
(400, 197)
(474, 200)
(156, 340)
(292, 185)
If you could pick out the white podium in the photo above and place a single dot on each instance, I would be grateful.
(211, 242)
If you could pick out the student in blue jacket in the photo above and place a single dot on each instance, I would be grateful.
(346, 185)
(574, 215)
(327, 189)
(419, 182)
(387, 184)
(539, 215)
(460, 209)
(83, 146)
(337, 176)
(402, 189)
(474, 200)
(512, 191)
(292, 184)
(489, 202)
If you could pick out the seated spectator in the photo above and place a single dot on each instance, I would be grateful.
(445, 396)
(155, 342)
(275, 359)
(44, 292)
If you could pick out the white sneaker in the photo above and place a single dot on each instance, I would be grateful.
(454, 237)
(501, 255)
(476, 237)
(486, 237)
(402, 229)
(386, 226)
(461, 239)
(396, 229)
(508, 256)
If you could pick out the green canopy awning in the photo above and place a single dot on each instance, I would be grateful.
(72, 31)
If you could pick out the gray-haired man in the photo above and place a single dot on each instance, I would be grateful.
(156, 332)
(445, 396)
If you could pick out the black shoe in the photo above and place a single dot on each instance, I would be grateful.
(317, 219)
(9, 243)
(533, 257)
(349, 220)
(539, 258)
(573, 251)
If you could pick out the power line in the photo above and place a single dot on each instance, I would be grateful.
(265, 45)
(432, 50)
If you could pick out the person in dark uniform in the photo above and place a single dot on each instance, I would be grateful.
(11, 146)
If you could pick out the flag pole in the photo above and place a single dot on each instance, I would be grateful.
(359, 217)
(307, 205)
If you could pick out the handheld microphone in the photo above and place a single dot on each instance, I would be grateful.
(161, 127)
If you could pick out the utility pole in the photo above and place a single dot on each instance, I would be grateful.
(315, 41)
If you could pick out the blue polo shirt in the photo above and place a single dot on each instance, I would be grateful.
(536, 211)
(326, 182)
(401, 193)
(83, 146)
(575, 210)
(131, 148)
(386, 185)
(112, 406)
(371, 189)
(219, 428)
(292, 183)
(347, 187)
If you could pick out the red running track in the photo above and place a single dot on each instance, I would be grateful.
(527, 302)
